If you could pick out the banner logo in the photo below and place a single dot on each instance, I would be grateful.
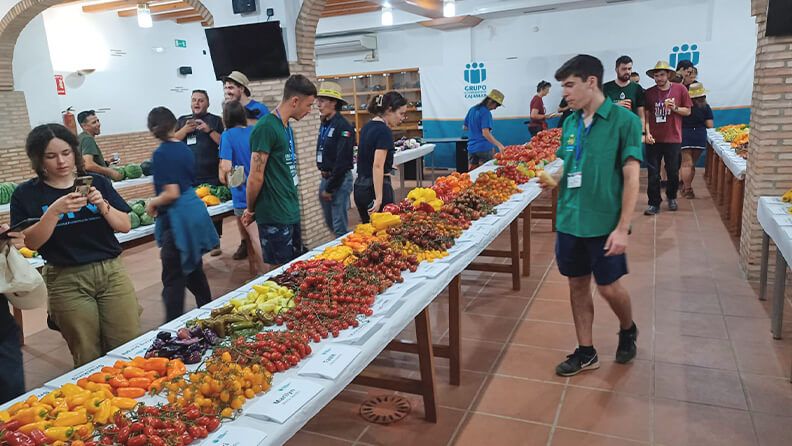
(475, 75)
(684, 52)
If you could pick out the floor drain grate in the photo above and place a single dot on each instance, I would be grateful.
(385, 409)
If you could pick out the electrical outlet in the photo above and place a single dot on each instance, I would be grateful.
(270, 12)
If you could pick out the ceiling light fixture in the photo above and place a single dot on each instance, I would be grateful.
(449, 8)
(144, 16)
(387, 15)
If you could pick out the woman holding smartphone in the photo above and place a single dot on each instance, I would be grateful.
(184, 230)
(91, 298)
(373, 188)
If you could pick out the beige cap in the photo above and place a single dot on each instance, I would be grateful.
(697, 90)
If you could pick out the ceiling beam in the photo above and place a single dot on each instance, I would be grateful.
(448, 23)
(336, 13)
(427, 8)
(195, 18)
(156, 8)
(174, 15)
(109, 6)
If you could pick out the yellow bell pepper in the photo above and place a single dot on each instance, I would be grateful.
(70, 389)
(124, 403)
(62, 433)
(4, 416)
(105, 412)
(40, 425)
(95, 404)
(61, 406)
(71, 418)
(384, 220)
(52, 397)
(25, 416)
(365, 229)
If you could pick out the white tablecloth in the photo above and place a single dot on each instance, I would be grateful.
(404, 156)
(735, 163)
(404, 302)
(777, 223)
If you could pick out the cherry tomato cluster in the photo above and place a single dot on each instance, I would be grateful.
(449, 186)
(158, 426)
(223, 387)
(493, 188)
(472, 206)
(275, 351)
(545, 144)
(418, 229)
(513, 173)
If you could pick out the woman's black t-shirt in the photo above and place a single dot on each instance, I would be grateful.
(374, 136)
(79, 238)
(698, 117)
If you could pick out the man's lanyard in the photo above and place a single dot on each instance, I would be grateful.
(579, 139)
(324, 130)
(289, 134)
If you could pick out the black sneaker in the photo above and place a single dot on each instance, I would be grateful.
(652, 210)
(241, 252)
(672, 204)
(627, 350)
(577, 362)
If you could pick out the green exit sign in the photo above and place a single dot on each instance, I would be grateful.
(181, 43)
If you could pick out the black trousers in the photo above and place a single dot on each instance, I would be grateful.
(655, 153)
(364, 195)
(174, 281)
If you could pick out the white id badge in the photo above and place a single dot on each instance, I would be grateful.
(574, 180)
(319, 156)
(192, 140)
(660, 119)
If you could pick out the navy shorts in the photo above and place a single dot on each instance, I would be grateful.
(280, 243)
(480, 157)
(581, 256)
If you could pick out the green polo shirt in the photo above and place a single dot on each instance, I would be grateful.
(88, 146)
(594, 208)
(278, 202)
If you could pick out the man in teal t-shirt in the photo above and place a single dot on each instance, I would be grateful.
(598, 190)
(272, 199)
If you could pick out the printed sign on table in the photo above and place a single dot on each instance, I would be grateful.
(284, 400)
(329, 361)
(81, 372)
(39, 393)
(181, 321)
(235, 436)
(366, 326)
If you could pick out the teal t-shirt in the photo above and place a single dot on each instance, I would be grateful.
(614, 136)
(631, 91)
(278, 202)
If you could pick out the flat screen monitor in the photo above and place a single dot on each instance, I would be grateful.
(256, 49)
(779, 18)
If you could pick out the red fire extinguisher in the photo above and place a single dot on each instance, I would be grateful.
(68, 120)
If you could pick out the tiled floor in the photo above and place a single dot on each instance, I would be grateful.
(707, 373)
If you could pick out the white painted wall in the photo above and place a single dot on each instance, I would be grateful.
(522, 49)
(130, 77)
(33, 74)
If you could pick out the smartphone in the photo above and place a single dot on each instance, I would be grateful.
(21, 226)
(83, 185)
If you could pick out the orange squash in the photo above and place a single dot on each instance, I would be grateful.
(210, 200)
(202, 192)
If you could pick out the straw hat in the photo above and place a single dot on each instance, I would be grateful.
(239, 78)
(331, 90)
(660, 66)
(496, 96)
(697, 90)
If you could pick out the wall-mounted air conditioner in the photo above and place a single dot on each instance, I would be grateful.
(346, 44)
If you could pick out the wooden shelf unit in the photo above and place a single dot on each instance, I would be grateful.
(358, 89)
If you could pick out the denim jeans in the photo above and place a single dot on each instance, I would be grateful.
(336, 211)
(12, 377)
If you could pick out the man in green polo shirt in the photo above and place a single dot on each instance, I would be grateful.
(272, 199)
(598, 190)
(92, 155)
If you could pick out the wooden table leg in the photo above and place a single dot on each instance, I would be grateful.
(526, 251)
(423, 334)
(763, 261)
(722, 184)
(708, 164)
(514, 238)
(713, 183)
(740, 186)
(455, 329)
(18, 318)
(734, 204)
(777, 315)
(728, 186)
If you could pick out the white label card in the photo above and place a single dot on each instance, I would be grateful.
(39, 393)
(282, 401)
(235, 436)
(574, 180)
(81, 372)
(192, 140)
(330, 361)
(783, 220)
(365, 325)
(778, 210)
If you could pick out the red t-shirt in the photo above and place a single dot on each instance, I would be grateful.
(665, 125)
(537, 103)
